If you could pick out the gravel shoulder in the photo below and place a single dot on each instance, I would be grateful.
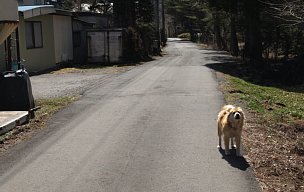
(72, 81)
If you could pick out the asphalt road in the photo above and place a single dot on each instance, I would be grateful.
(152, 128)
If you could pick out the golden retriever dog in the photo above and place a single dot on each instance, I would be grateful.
(230, 124)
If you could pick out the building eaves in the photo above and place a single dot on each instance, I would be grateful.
(38, 10)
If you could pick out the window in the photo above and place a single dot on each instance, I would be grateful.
(33, 32)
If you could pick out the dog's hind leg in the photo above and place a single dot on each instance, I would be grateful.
(226, 142)
(238, 145)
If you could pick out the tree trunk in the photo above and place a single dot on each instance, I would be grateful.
(234, 47)
(253, 43)
(217, 31)
(286, 46)
(163, 32)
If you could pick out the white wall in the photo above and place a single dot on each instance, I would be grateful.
(63, 38)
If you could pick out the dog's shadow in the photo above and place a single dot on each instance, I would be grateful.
(235, 161)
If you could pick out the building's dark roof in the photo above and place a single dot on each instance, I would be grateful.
(79, 13)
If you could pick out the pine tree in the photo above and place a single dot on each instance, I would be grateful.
(101, 6)
(137, 17)
(189, 13)
(124, 13)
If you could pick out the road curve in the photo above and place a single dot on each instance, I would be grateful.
(152, 128)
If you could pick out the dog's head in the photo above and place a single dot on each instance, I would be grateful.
(236, 115)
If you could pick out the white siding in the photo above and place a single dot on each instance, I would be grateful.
(63, 38)
(115, 46)
(98, 46)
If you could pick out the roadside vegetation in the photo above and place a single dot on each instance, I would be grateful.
(90, 68)
(274, 131)
(274, 104)
(184, 36)
(47, 108)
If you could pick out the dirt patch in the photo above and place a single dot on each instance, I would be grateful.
(25, 132)
(21, 133)
(275, 155)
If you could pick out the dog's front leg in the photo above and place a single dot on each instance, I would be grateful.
(238, 145)
(220, 142)
(233, 146)
(226, 141)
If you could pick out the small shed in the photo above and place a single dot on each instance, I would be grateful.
(45, 37)
(82, 23)
(106, 46)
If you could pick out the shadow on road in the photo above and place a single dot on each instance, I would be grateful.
(234, 161)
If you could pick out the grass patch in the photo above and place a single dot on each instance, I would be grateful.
(274, 104)
(48, 108)
(100, 69)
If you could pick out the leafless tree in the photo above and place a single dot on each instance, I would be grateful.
(289, 11)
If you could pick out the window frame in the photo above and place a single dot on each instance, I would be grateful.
(33, 34)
